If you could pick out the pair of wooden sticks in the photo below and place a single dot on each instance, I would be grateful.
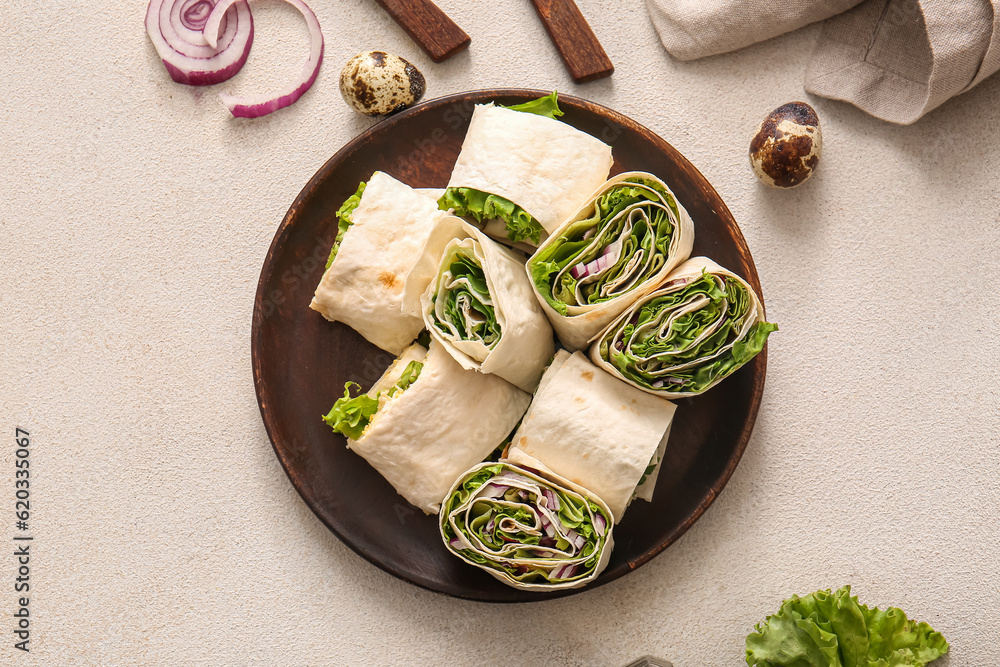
(441, 38)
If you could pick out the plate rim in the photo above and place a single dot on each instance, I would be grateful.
(477, 96)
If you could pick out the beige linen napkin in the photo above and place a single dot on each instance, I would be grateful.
(895, 59)
(692, 29)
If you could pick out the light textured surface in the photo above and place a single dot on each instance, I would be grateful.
(136, 216)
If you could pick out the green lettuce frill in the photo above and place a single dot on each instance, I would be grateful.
(481, 206)
(547, 106)
(344, 220)
(825, 629)
(351, 415)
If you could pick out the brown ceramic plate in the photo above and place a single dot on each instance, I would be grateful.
(301, 361)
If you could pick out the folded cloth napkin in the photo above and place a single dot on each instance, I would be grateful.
(895, 59)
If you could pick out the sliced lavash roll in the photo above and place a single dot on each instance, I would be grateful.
(622, 243)
(379, 241)
(524, 171)
(476, 301)
(594, 430)
(427, 420)
(689, 334)
(530, 529)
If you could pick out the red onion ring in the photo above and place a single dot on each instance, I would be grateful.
(175, 28)
(253, 106)
(202, 42)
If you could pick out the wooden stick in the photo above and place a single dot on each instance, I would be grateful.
(428, 26)
(577, 44)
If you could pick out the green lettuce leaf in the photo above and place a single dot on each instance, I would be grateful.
(467, 202)
(344, 220)
(547, 106)
(409, 376)
(825, 629)
(351, 415)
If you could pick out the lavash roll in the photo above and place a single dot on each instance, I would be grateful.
(594, 430)
(545, 166)
(363, 287)
(422, 439)
(502, 330)
(689, 334)
(530, 529)
(623, 242)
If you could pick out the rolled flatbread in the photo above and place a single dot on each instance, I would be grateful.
(427, 420)
(594, 430)
(363, 286)
(542, 166)
(617, 247)
(686, 336)
(530, 529)
(476, 301)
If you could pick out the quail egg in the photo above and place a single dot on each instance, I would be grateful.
(376, 83)
(785, 150)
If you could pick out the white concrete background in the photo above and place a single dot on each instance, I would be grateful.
(136, 216)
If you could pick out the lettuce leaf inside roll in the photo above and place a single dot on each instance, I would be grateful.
(684, 340)
(527, 531)
(482, 206)
(344, 220)
(623, 243)
(351, 415)
(463, 307)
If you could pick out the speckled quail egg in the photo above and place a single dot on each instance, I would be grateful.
(785, 149)
(376, 82)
